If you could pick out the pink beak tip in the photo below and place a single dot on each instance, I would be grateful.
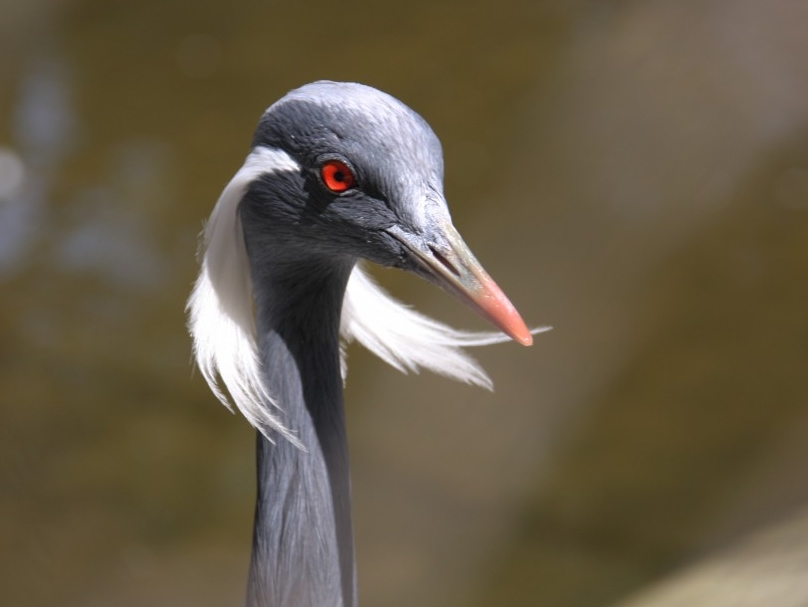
(515, 327)
(502, 313)
(525, 339)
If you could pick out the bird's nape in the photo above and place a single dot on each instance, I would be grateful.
(339, 172)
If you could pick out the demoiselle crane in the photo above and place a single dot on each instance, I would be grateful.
(338, 172)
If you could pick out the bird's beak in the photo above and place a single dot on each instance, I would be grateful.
(448, 262)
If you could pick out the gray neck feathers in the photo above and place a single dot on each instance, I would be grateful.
(303, 538)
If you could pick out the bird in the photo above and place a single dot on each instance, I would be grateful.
(338, 174)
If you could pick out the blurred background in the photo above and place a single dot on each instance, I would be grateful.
(633, 173)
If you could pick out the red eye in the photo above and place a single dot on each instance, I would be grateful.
(337, 176)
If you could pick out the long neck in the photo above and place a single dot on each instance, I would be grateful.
(303, 538)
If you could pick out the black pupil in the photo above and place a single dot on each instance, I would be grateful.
(339, 176)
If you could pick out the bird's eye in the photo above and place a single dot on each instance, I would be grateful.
(337, 177)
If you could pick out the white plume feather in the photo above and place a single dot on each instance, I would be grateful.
(222, 318)
(407, 339)
(221, 311)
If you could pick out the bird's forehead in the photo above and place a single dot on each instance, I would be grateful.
(392, 147)
(360, 120)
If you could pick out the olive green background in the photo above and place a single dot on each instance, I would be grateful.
(633, 173)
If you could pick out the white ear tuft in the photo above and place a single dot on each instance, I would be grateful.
(406, 339)
(221, 317)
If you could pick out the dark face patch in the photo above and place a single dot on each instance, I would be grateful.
(394, 159)
(296, 217)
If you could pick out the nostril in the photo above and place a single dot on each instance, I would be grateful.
(446, 263)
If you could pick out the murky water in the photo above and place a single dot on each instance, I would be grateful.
(635, 174)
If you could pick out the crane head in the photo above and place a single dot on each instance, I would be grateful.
(368, 183)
